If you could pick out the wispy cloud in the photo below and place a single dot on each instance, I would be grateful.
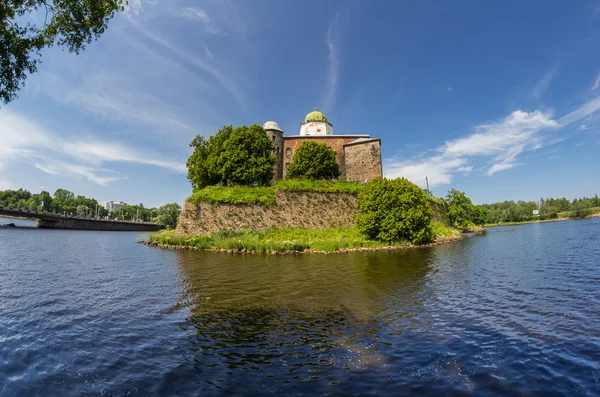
(209, 54)
(199, 15)
(596, 82)
(221, 77)
(543, 84)
(496, 146)
(25, 139)
(333, 62)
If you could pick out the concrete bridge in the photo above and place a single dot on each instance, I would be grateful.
(46, 220)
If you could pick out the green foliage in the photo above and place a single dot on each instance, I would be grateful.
(460, 208)
(240, 156)
(247, 157)
(203, 169)
(82, 211)
(322, 186)
(314, 160)
(67, 23)
(247, 195)
(63, 195)
(440, 230)
(551, 208)
(168, 215)
(265, 195)
(275, 240)
(395, 210)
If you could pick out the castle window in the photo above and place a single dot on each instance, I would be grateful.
(273, 137)
(287, 165)
(277, 150)
(288, 152)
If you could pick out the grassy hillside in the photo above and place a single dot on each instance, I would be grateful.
(265, 195)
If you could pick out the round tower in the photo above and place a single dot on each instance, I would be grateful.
(275, 134)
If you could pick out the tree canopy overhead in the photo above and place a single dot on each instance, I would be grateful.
(314, 160)
(71, 24)
(233, 156)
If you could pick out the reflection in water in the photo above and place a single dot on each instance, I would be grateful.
(295, 321)
(515, 312)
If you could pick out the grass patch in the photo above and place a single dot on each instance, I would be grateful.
(275, 240)
(440, 230)
(248, 195)
(320, 186)
(265, 195)
(286, 240)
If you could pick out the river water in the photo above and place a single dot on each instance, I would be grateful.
(513, 312)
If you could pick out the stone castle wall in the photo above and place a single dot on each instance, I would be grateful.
(363, 160)
(292, 210)
(335, 142)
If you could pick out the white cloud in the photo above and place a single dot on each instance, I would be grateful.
(222, 78)
(98, 152)
(198, 15)
(596, 83)
(501, 142)
(505, 138)
(498, 143)
(48, 169)
(24, 139)
(209, 54)
(507, 165)
(587, 109)
(544, 83)
(331, 39)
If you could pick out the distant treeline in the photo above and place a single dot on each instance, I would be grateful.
(65, 202)
(551, 208)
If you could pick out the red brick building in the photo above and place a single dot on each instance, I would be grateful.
(359, 156)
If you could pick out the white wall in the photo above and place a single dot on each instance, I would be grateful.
(316, 128)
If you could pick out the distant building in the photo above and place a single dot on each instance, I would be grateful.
(112, 205)
(358, 156)
(536, 212)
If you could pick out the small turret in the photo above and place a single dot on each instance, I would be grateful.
(276, 135)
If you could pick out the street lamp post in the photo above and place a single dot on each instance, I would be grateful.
(43, 189)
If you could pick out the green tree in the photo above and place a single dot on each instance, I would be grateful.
(203, 169)
(395, 210)
(479, 215)
(71, 24)
(168, 215)
(460, 207)
(82, 211)
(314, 160)
(247, 157)
(63, 195)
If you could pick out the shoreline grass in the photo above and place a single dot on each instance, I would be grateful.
(277, 241)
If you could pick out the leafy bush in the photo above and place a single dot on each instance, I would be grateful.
(460, 208)
(314, 160)
(395, 210)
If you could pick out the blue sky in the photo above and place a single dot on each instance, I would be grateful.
(499, 100)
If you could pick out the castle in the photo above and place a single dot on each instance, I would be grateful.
(358, 156)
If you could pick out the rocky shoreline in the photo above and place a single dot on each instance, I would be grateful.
(438, 241)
